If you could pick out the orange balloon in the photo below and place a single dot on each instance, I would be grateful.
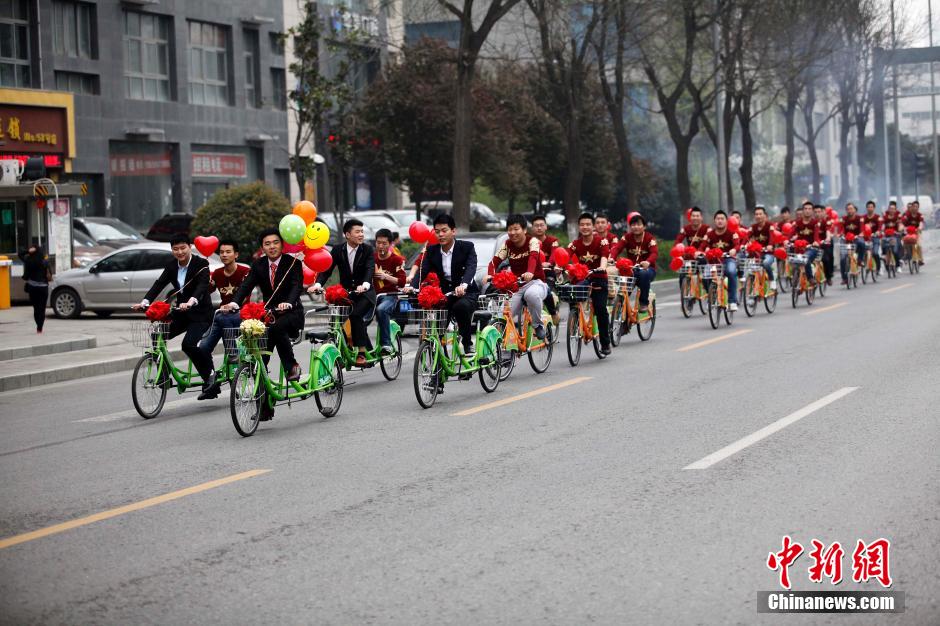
(306, 210)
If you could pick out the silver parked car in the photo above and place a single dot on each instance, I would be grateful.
(114, 282)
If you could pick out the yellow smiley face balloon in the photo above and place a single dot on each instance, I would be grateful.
(316, 235)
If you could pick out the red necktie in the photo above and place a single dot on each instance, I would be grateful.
(273, 272)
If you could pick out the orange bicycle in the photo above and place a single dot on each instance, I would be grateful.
(847, 251)
(624, 314)
(582, 321)
(757, 287)
(516, 343)
(691, 288)
(799, 283)
(869, 268)
(717, 294)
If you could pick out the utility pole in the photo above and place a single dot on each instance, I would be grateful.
(719, 115)
(933, 112)
(898, 181)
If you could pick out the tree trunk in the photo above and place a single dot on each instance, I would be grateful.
(865, 174)
(574, 176)
(844, 128)
(683, 184)
(463, 138)
(809, 127)
(627, 171)
(747, 164)
(789, 115)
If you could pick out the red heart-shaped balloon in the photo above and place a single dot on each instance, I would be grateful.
(207, 245)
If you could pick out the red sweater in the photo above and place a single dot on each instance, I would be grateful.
(522, 259)
(726, 241)
(807, 231)
(228, 285)
(394, 265)
(590, 254)
(644, 249)
(692, 236)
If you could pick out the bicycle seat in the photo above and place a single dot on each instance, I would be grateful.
(317, 335)
(482, 318)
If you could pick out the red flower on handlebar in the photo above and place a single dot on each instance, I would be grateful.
(337, 295)
(253, 311)
(505, 281)
(158, 311)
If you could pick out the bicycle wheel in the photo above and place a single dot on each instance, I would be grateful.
(490, 375)
(147, 390)
(574, 336)
(616, 321)
(821, 285)
(714, 312)
(795, 289)
(245, 399)
(329, 400)
(644, 327)
(541, 358)
(810, 296)
(686, 301)
(426, 375)
(785, 283)
(770, 302)
(391, 365)
(508, 357)
(855, 281)
(863, 273)
(728, 314)
(750, 295)
(596, 342)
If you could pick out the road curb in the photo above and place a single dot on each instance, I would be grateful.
(85, 342)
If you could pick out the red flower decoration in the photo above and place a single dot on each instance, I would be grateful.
(675, 264)
(910, 239)
(431, 279)
(911, 230)
(577, 271)
(505, 281)
(780, 253)
(336, 294)
(431, 296)
(714, 255)
(253, 311)
(755, 248)
(158, 311)
(800, 245)
(625, 267)
(690, 252)
(850, 237)
(890, 232)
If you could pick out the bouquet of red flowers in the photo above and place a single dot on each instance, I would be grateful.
(850, 237)
(158, 311)
(755, 248)
(577, 271)
(336, 294)
(253, 311)
(910, 239)
(431, 279)
(890, 232)
(780, 253)
(800, 245)
(714, 255)
(690, 252)
(625, 267)
(911, 230)
(505, 281)
(431, 296)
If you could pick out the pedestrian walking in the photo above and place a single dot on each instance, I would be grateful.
(36, 274)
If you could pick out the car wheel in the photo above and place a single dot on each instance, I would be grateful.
(66, 303)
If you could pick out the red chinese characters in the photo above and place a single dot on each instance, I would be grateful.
(826, 562)
(871, 561)
(783, 559)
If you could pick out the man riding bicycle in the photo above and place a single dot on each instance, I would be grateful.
(389, 277)
(602, 228)
(892, 221)
(851, 223)
(641, 248)
(189, 276)
(808, 229)
(548, 246)
(593, 251)
(521, 251)
(356, 264)
(826, 229)
(913, 217)
(876, 223)
(760, 232)
(723, 238)
(693, 233)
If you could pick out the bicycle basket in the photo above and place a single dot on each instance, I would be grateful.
(144, 333)
(796, 259)
(752, 266)
(433, 321)
(254, 343)
(713, 270)
(574, 293)
(230, 337)
(493, 303)
(615, 283)
(846, 248)
(688, 267)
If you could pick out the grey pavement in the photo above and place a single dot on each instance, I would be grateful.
(570, 506)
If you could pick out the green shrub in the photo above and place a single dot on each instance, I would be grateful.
(241, 213)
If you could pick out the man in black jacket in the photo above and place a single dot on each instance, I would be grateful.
(356, 264)
(189, 276)
(280, 279)
(455, 263)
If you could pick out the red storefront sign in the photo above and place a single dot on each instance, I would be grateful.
(33, 129)
(219, 165)
(159, 164)
(51, 160)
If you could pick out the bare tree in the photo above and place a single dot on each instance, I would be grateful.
(473, 34)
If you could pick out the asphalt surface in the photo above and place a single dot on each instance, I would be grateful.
(569, 506)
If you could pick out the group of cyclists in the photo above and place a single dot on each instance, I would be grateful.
(375, 283)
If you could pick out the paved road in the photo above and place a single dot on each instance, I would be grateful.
(570, 506)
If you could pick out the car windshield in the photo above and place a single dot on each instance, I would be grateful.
(484, 211)
(103, 231)
(486, 250)
(375, 222)
(80, 239)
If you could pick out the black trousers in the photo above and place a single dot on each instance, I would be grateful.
(279, 336)
(194, 332)
(361, 309)
(599, 299)
(38, 296)
(828, 261)
(462, 309)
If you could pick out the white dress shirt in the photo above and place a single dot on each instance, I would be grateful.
(447, 259)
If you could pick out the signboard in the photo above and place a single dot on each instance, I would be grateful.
(60, 233)
(31, 129)
(344, 20)
(157, 164)
(219, 165)
(52, 161)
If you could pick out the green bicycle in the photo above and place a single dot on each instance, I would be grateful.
(440, 356)
(337, 315)
(252, 387)
(155, 373)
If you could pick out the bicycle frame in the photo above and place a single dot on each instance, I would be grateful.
(348, 353)
(185, 379)
(587, 321)
(524, 343)
(485, 339)
(319, 377)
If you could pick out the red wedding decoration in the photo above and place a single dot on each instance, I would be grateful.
(625, 266)
(431, 296)
(158, 311)
(253, 311)
(336, 294)
(577, 271)
(505, 281)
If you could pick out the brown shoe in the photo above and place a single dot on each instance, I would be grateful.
(294, 375)
(360, 360)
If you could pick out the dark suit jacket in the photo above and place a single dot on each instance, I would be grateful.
(351, 277)
(288, 280)
(197, 286)
(463, 267)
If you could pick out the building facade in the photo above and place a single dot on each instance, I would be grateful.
(173, 100)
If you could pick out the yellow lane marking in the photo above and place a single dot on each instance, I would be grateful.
(127, 508)
(709, 342)
(837, 305)
(521, 396)
(898, 287)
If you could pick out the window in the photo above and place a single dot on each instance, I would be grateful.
(279, 88)
(84, 84)
(282, 181)
(146, 56)
(252, 68)
(120, 262)
(208, 69)
(72, 29)
(154, 260)
(14, 43)
(277, 44)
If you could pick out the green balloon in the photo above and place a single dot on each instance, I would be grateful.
(292, 228)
